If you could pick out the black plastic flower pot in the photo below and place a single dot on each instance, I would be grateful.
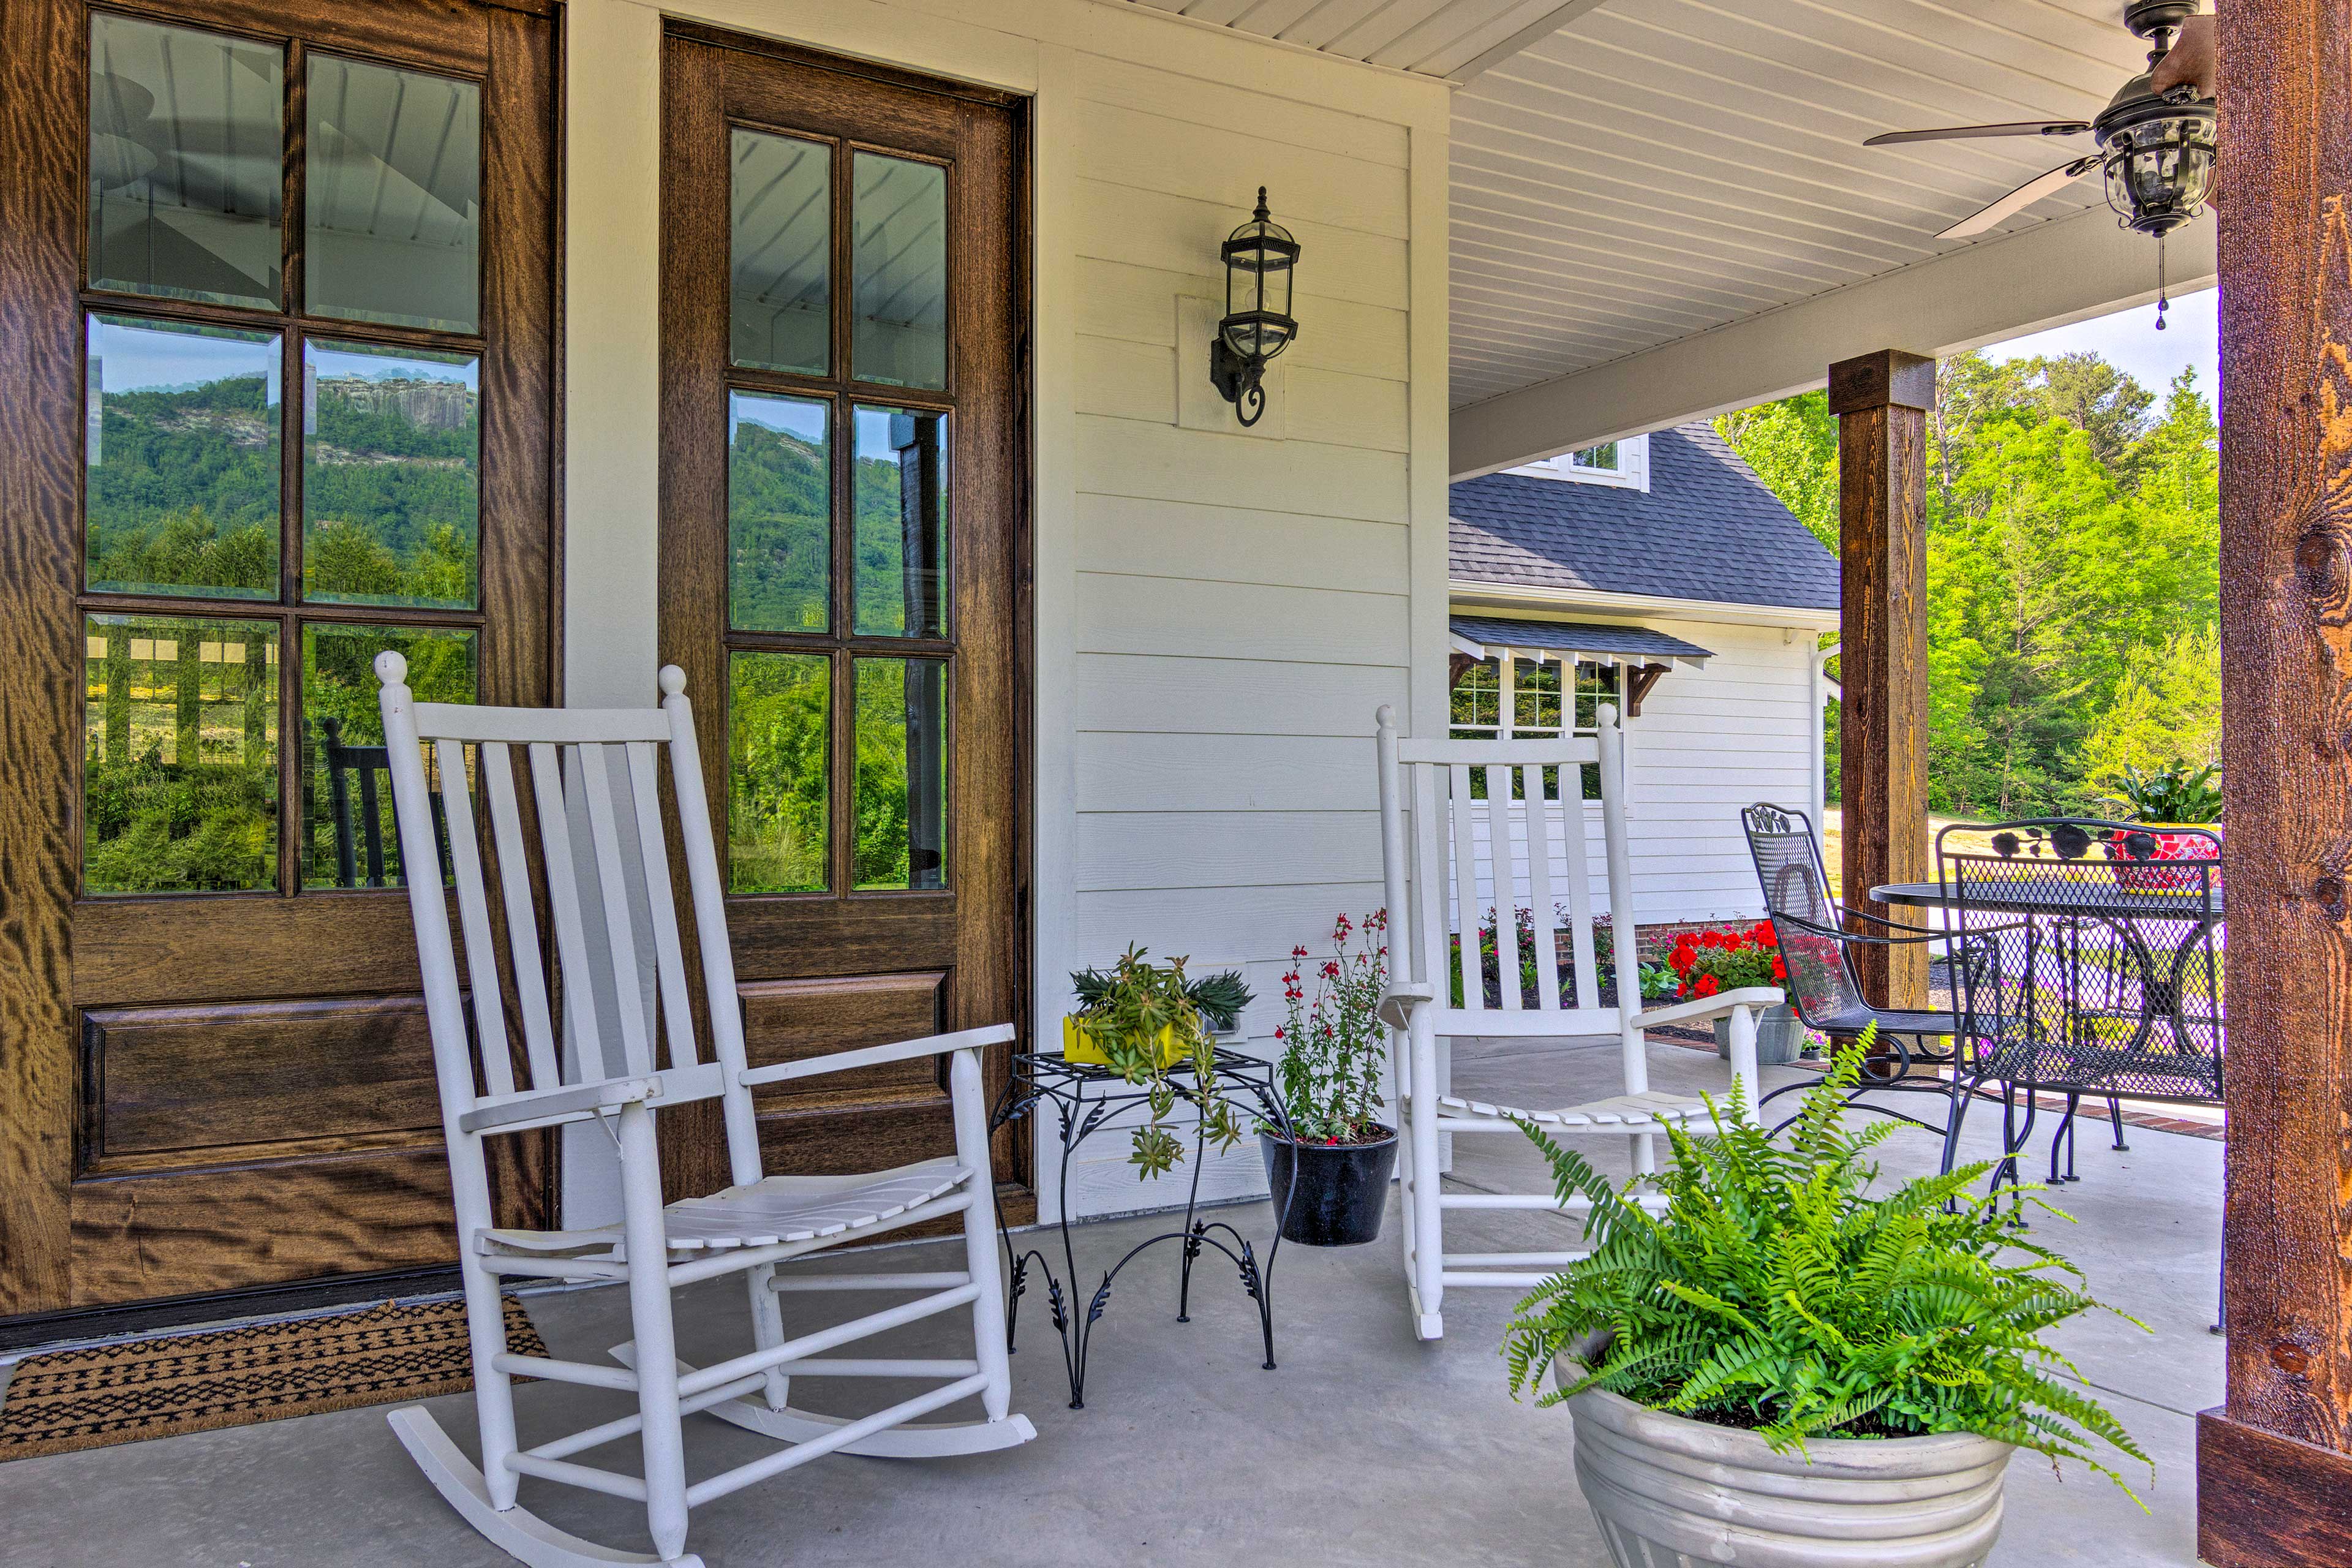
(1341, 1189)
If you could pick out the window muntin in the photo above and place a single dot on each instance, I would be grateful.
(187, 186)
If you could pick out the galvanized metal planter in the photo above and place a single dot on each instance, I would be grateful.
(1670, 1492)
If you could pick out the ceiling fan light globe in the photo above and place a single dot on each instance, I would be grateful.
(2158, 169)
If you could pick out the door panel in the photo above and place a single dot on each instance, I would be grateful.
(279, 391)
(842, 537)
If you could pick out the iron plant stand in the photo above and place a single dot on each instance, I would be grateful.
(1086, 1098)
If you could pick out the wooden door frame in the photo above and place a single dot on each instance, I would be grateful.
(44, 981)
(688, 596)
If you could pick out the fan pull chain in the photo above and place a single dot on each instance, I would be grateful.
(2160, 301)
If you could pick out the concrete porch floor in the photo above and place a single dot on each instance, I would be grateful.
(1365, 1448)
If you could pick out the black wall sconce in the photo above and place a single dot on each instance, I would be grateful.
(1259, 258)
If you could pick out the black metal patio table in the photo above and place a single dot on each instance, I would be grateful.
(1087, 1099)
(2086, 898)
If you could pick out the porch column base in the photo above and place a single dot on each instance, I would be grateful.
(2268, 1501)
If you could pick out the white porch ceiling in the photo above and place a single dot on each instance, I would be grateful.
(1629, 175)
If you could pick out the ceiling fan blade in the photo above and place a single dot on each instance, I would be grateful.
(2024, 196)
(1956, 133)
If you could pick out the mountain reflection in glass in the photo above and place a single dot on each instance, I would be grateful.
(181, 444)
(178, 755)
(186, 179)
(779, 513)
(901, 547)
(391, 442)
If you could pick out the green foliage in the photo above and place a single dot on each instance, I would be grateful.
(1123, 1013)
(1775, 1293)
(2172, 794)
(777, 795)
(2073, 570)
(1219, 998)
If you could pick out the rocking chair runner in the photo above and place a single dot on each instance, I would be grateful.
(1429, 807)
(575, 756)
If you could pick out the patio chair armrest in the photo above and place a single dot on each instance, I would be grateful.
(1396, 1004)
(1835, 934)
(549, 1107)
(876, 1055)
(1721, 1004)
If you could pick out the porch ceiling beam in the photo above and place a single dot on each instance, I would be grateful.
(2051, 274)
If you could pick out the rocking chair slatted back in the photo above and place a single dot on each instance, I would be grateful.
(574, 757)
(1484, 847)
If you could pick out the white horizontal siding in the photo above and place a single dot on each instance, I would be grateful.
(1242, 600)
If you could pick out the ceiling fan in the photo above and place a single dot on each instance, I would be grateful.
(2158, 150)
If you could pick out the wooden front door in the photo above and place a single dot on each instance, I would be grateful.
(276, 394)
(842, 538)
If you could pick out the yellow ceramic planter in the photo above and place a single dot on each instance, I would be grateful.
(1077, 1045)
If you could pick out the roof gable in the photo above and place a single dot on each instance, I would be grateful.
(1707, 529)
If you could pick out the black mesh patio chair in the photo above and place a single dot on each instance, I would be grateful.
(2093, 969)
(365, 855)
(1817, 949)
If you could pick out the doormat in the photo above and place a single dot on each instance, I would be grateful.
(61, 1401)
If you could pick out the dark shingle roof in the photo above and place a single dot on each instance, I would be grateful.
(1576, 637)
(1707, 529)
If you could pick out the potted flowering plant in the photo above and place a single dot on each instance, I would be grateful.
(1786, 1368)
(1703, 963)
(1333, 1167)
(2181, 809)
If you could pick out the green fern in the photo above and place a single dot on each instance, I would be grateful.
(1774, 1293)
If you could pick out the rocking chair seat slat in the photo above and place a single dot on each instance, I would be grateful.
(1621, 1112)
(767, 1213)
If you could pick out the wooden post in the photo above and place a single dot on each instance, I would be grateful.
(2274, 1478)
(1881, 401)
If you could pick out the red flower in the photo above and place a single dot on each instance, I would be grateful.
(1709, 985)
(1780, 970)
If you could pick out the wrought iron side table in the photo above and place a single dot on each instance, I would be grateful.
(1086, 1098)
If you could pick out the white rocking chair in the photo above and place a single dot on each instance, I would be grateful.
(1444, 841)
(748, 1228)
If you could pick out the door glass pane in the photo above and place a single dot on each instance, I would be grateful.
(393, 199)
(900, 302)
(391, 442)
(185, 173)
(350, 837)
(180, 763)
(780, 299)
(778, 734)
(181, 438)
(902, 771)
(901, 548)
(779, 513)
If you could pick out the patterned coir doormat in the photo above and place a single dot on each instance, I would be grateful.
(63, 1400)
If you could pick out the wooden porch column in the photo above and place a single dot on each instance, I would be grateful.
(2273, 1477)
(1881, 401)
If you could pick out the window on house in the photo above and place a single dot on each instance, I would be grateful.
(1538, 704)
(1624, 464)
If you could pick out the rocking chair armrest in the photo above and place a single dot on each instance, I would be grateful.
(546, 1108)
(1721, 1004)
(1396, 1004)
(876, 1055)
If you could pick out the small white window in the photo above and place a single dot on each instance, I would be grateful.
(1625, 464)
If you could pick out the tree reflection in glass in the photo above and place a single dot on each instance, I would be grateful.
(779, 513)
(778, 735)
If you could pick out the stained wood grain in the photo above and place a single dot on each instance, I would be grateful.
(1880, 400)
(793, 1020)
(2286, 681)
(252, 1074)
(41, 49)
